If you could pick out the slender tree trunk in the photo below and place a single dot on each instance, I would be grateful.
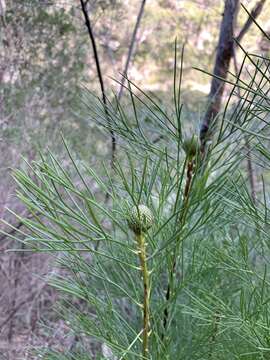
(224, 54)
(131, 48)
(255, 12)
(104, 99)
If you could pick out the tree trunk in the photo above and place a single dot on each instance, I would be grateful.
(224, 54)
(131, 48)
(100, 77)
(253, 15)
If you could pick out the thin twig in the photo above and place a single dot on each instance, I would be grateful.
(99, 72)
(255, 12)
(131, 49)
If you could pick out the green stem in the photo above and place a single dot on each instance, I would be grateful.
(146, 294)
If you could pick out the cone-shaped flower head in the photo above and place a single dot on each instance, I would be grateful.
(140, 219)
(191, 146)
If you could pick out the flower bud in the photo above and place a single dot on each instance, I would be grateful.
(140, 219)
(191, 146)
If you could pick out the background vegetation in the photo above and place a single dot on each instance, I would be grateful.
(47, 64)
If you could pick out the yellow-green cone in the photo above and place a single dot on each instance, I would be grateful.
(140, 219)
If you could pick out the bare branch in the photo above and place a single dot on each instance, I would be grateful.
(255, 12)
(131, 48)
(94, 47)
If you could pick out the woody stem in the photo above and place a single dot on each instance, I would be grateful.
(146, 294)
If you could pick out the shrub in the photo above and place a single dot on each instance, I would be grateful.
(194, 284)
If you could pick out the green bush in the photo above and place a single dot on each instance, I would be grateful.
(194, 285)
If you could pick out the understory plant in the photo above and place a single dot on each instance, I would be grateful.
(165, 256)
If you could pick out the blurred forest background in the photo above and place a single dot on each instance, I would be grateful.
(46, 57)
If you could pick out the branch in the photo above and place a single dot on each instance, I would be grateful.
(225, 52)
(94, 47)
(223, 57)
(131, 48)
(255, 12)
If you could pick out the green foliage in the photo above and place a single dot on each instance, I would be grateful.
(209, 244)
